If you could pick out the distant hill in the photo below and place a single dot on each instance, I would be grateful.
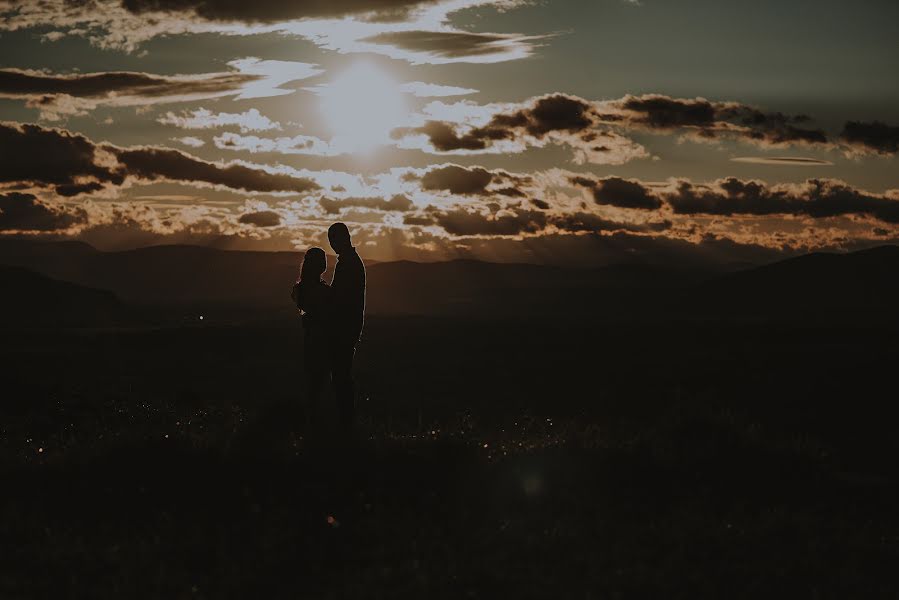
(187, 278)
(30, 299)
(197, 277)
(165, 275)
(473, 287)
(853, 285)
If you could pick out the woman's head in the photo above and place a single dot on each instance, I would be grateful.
(314, 264)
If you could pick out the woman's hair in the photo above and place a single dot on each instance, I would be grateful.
(314, 264)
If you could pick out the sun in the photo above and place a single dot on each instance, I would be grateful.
(361, 107)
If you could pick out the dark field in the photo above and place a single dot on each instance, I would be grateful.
(537, 458)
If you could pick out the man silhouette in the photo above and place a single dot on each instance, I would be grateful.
(348, 297)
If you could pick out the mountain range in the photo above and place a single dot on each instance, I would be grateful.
(192, 278)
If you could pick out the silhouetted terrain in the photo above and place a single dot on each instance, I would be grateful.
(862, 284)
(859, 285)
(190, 276)
(673, 442)
(30, 299)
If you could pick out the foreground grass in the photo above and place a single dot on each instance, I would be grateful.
(174, 464)
(699, 509)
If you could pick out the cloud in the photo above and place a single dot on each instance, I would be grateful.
(420, 89)
(624, 193)
(189, 140)
(478, 181)
(792, 161)
(59, 95)
(202, 118)
(67, 162)
(707, 119)
(273, 11)
(874, 137)
(552, 119)
(25, 212)
(518, 221)
(397, 203)
(299, 144)
(71, 164)
(263, 218)
(415, 30)
(599, 132)
(450, 46)
(457, 180)
(165, 164)
(730, 196)
(816, 198)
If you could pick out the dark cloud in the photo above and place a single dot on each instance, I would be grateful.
(711, 119)
(446, 44)
(15, 82)
(624, 193)
(817, 198)
(399, 203)
(44, 157)
(556, 118)
(462, 222)
(554, 113)
(517, 220)
(261, 218)
(871, 137)
(593, 129)
(24, 212)
(152, 164)
(589, 125)
(557, 112)
(474, 181)
(70, 164)
(272, 11)
(663, 112)
(773, 128)
(457, 180)
(445, 138)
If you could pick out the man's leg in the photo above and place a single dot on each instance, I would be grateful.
(344, 390)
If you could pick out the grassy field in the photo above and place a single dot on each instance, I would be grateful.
(527, 459)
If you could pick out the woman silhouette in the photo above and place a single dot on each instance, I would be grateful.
(312, 297)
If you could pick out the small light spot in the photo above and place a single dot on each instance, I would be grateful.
(166, 436)
(201, 317)
(40, 450)
(485, 445)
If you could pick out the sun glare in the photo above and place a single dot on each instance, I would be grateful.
(361, 107)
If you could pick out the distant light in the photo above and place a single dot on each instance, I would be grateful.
(201, 317)
(40, 450)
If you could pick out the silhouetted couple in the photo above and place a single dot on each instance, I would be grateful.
(333, 316)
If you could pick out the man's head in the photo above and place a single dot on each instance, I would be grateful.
(339, 238)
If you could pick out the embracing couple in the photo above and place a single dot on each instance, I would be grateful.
(333, 316)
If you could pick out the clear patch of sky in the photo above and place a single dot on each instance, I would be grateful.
(836, 58)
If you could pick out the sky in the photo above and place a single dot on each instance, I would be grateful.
(552, 131)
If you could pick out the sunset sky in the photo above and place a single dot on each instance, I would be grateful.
(559, 131)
